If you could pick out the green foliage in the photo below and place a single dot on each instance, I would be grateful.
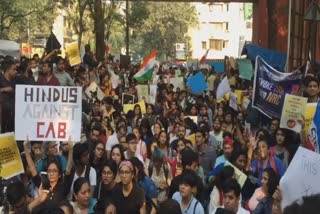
(16, 15)
(165, 25)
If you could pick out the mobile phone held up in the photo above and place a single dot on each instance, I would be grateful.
(45, 181)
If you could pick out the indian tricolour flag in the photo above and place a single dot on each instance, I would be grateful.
(145, 72)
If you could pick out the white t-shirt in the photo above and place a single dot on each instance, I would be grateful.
(92, 178)
(136, 155)
(112, 140)
(219, 139)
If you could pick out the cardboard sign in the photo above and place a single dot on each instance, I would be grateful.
(10, 159)
(73, 53)
(177, 82)
(223, 88)
(143, 92)
(45, 113)
(153, 94)
(94, 92)
(293, 109)
(301, 178)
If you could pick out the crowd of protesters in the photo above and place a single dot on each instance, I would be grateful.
(157, 162)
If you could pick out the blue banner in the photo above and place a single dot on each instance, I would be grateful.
(271, 86)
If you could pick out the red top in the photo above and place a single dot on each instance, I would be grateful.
(42, 80)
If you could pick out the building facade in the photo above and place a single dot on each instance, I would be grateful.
(223, 28)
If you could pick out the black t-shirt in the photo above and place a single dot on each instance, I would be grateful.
(130, 204)
(7, 97)
(100, 193)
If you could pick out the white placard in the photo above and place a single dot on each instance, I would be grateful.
(301, 178)
(223, 88)
(46, 113)
(177, 82)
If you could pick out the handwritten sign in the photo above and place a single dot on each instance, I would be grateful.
(301, 178)
(45, 113)
(127, 99)
(10, 159)
(293, 109)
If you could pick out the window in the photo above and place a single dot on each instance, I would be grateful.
(248, 25)
(227, 7)
(217, 26)
(215, 44)
(216, 8)
(211, 7)
(204, 44)
(225, 44)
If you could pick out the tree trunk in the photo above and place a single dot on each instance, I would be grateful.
(81, 12)
(99, 30)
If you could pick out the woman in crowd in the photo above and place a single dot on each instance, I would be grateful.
(265, 160)
(146, 184)
(136, 115)
(145, 130)
(141, 145)
(117, 155)
(280, 150)
(83, 203)
(159, 170)
(261, 201)
(54, 180)
(129, 198)
(107, 182)
(150, 116)
(176, 162)
(156, 129)
(97, 157)
(164, 144)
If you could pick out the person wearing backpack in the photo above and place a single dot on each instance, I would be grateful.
(82, 167)
(161, 174)
(265, 160)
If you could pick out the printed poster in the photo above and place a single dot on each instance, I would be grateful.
(308, 116)
(271, 86)
(46, 113)
(128, 107)
(239, 175)
(94, 92)
(293, 109)
(10, 159)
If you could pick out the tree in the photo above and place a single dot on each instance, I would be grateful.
(78, 15)
(103, 15)
(165, 25)
(14, 14)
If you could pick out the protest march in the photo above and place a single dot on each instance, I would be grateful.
(86, 135)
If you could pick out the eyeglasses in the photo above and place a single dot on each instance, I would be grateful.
(100, 149)
(122, 173)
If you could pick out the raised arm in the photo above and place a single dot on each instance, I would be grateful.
(30, 162)
(70, 157)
